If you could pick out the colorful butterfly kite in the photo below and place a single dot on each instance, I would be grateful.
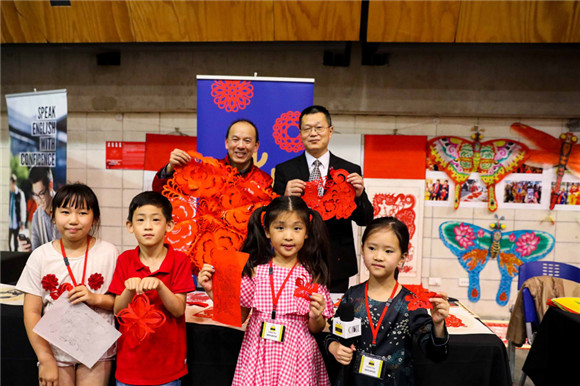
(493, 160)
(562, 153)
(475, 246)
(211, 208)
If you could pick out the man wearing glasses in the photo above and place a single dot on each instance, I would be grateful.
(290, 179)
(42, 229)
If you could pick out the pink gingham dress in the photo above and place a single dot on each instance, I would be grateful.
(294, 361)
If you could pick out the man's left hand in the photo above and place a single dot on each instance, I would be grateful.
(357, 182)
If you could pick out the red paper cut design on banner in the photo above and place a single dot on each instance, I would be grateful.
(226, 286)
(211, 208)
(454, 321)
(232, 95)
(280, 132)
(95, 281)
(140, 318)
(402, 207)
(305, 290)
(338, 198)
(562, 152)
(199, 299)
(419, 298)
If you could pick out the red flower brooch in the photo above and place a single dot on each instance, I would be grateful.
(338, 198)
(419, 297)
(140, 318)
(50, 284)
(96, 280)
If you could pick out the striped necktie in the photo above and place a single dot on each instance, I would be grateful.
(316, 176)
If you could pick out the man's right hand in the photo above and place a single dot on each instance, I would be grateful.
(177, 157)
(295, 187)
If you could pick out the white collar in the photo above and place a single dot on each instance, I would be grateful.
(324, 160)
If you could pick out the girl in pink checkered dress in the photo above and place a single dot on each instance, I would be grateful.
(284, 285)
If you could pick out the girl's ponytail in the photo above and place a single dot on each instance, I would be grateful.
(315, 253)
(256, 242)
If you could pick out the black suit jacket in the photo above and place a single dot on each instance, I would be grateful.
(343, 262)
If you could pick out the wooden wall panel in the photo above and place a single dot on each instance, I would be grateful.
(191, 21)
(519, 22)
(305, 20)
(23, 22)
(412, 21)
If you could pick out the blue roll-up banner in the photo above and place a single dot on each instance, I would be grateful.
(37, 124)
(273, 104)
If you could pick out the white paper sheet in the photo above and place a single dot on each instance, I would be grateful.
(77, 330)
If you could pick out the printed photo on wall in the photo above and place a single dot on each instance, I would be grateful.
(438, 189)
(526, 190)
(403, 199)
(474, 192)
(568, 196)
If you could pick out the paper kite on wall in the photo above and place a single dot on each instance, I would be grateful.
(563, 153)
(211, 208)
(493, 160)
(475, 246)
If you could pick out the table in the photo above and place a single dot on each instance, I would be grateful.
(474, 359)
(554, 356)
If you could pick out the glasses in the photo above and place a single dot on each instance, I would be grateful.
(39, 195)
(318, 129)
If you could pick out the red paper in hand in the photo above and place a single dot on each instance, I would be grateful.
(419, 297)
(227, 280)
(338, 198)
(305, 290)
(140, 318)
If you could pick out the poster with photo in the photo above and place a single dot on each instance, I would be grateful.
(473, 193)
(439, 189)
(523, 191)
(568, 196)
(403, 199)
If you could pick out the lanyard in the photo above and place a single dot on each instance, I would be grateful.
(68, 265)
(276, 296)
(375, 329)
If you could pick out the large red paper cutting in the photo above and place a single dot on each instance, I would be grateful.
(338, 198)
(227, 280)
(140, 318)
(211, 208)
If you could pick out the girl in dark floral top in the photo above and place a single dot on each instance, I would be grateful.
(383, 353)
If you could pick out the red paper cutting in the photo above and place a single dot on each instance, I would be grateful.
(305, 290)
(211, 208)
(419, 298)
(226, 286)
(454, 321)
(140, 318)
(338, 198)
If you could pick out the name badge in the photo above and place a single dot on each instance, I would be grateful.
(371, 366)
(272, 331)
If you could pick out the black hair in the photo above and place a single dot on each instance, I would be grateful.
(245, 121)
(314, 253)
(40, 174)
(314, 110)
(78, 196)
(151, 198)
(389, 223)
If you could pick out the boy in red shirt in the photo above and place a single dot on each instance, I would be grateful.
(164, 275)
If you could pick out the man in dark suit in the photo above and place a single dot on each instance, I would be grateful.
(290, 179)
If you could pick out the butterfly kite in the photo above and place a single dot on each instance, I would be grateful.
(563, 153)
(211, 208)
(475, 246)
(493, 160)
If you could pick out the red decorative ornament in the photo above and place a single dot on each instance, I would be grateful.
(454, 321)
(232, 95)
(338, 198)
(49, 282)
(305, 290)
(419, 297)
(212, 205)
(95, 281)
(55, 294)
(280, 132)
(140, 318)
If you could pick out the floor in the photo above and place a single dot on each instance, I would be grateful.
(520, 359)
